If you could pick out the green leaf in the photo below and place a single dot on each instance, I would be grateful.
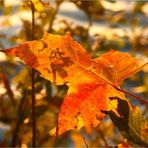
(129, 121)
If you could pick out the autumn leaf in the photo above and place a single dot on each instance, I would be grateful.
(54, 56)
(84, 106)
(91, 82)
(39, 5)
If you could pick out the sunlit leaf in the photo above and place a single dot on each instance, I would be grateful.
(39, 5)
(91, 82)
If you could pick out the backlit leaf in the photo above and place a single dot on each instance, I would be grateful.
(54, 56)
(91, 82)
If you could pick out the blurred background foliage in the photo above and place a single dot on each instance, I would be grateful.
(98, 25)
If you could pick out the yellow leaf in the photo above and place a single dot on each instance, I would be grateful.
(38, 5)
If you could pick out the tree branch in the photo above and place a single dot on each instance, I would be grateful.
(33, 82)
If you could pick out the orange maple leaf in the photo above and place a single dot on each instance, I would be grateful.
(91, 82)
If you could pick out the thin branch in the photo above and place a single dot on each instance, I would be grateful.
(53, 17)
(15, 133)
(103, 138)
(85, 142)
(7, 86)
(33, 82)
(88, 40)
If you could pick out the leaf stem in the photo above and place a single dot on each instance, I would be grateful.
(33, 82)
(132, 95)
